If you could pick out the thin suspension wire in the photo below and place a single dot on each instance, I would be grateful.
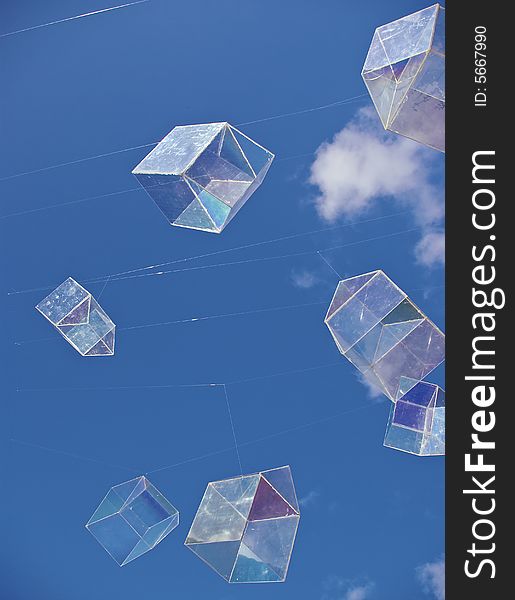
(89, 14)
(232, 428)
(79, 201)
(116, 276)
(71, 454)
(253, 260)
(121, 150)
(304, 111)
(223, 316)
(329, 264)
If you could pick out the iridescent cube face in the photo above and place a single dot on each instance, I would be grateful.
(417, 419)
(78, 317)
(201, 175)
(377, 327)
(245, 527)
(132, 519)
(405, 75)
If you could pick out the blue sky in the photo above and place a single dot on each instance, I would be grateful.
(371, 517)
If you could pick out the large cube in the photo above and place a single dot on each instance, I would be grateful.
(405, 75)
(377, 327)
(245, 527)
(78, 317)
(417, 419)
(201, 175)
(132, 519)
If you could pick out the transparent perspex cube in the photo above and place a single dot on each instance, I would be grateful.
(245, 527)
(78, 317)
(405, 75)
(201, 175)
(379, 329)
(417, 419)
(132, 519)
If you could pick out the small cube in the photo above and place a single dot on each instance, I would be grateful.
(132, 519)
(405, 75)
(201, 175)
(417, 419)
(78, 317)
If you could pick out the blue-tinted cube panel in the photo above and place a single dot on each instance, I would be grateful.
(245, 527)
(201, 175)
(78, 317)
(417, 419)
(376, 326)
(405, 75)
(132, 519)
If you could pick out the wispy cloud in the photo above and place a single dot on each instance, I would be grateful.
(304, 279)
(432, 578)
(373, 391)
(364, 165)
(339, 588)
(309, 499)
(430, 250)
(360, 592)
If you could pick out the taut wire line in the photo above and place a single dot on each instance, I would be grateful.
(291, 236)
(231, 421)
(121, 150)
(89, 14)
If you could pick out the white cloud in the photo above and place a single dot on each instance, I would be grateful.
(310, 498)
(430, 250)
(364, 165)
(304, 279)
(432, 578)
(338, 588)
(373, 391)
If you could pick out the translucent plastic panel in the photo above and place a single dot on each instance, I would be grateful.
(200, 175)
(281, 479)
(171, 193)
(63, 300)
(239, 492)
(410, 35)
(346, 289)
(272, 541)
(80, 319)
(195, 216)
(175, 153)
(383, 333)
(249, 568)
(416, 424)
(220, 556)
(259, 551)
(268, 503)
(216, 520)
(421, 118)
(406, 440)
(431, 77)
(132, 519)
(404, 67)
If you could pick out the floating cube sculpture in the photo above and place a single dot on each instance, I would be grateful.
(245, 527)
(74, 312)
(201, 175)
(405, 75)
(377, 327)
(132, 519)
(417, 419)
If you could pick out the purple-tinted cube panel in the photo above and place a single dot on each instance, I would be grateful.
(417, 419)
(245, 527)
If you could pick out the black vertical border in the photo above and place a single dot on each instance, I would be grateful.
(470, 129)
